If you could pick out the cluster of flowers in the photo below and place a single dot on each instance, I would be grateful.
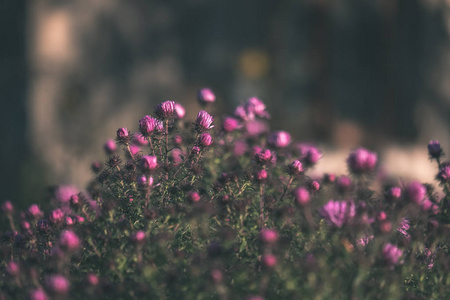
(189, 210)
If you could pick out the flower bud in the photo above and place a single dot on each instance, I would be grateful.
(205, 140)
(7, 207)
(92, 279)
(391, 254)
(295, 168)
(69, 241)
(314, 186)
(12, 268)
(58, 284)
(193, 196)
(165, 110)
(147, 126)
(269, 236)
(216, 276)
(264, 156)
(96, 167)
(123, 136)
(38, 294)
(361, 161)
(180, 112)
(230, 124)
(415, 192)
(56, 216)
(139, 238)
(177, 140)
(434, 149)
(204, 121)
(269, 260)
(35, 212)
(261, 175)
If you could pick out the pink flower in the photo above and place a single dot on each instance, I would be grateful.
(64, 192)
(295, 167)
(7, 207)
(309, 154)
(302, 196)
(269, 236)
(147, 126)
(361, 161)
(261, 175)
(58, 284)
(240, 147)
(269, 260)
(391, 254)
(35, 212)
(264, 157)
(165, 109)
(256, 128)
(69, 240)
(204, 121)
(230, 124)
(139, 139)
(403, 227)
(139, 237)
(338, 213)
(149, 163)
(180, 112)
(205, 140)
(110, 146)
(193, 196)
(12, 268)
(56, 216)
(206, 96)
(416, 192)
(38, 294)
(254, 106)
(279, 139)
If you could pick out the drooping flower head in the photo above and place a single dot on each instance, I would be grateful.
(204, 121)
(361, 161)
(279, 139)
(391, 254)
(206, 96)
(338, 213)
(147, 126)
(165, 110)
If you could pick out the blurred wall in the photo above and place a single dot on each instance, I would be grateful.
(338, 72)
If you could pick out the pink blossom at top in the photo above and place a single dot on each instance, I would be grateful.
(338, 213)
(165, 109)
(391, 254)
(206, 96)
(361, 161)
(204, 121)
(279, 139)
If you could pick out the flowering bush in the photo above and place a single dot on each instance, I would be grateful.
(198, 210)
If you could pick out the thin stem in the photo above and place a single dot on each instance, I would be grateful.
(261, 205)
(166, 159)
(286, 188)
(151, 145)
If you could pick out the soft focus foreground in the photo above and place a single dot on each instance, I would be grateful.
(224, 208)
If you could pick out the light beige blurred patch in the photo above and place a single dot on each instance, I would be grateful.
(254, 63)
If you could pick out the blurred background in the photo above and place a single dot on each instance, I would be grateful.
(339, 73)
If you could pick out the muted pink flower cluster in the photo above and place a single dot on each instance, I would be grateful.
(338, 213)
(361, 161)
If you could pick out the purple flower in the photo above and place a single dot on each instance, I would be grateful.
(416, 192)
(175, 156)
(295, 168)
(204, 121)
(343, 184)
(269, 260)
(193, 196)
(302, 196)
(149, 163)
(180, 112)
(147, 126)
(69, 240)
(64, 192)
(110, 146)
(338, 213)
(394, 193)
(165, 109)
(279, 139)
(391, 254)
(444, 173)
(205, 140)
(230, 124)
(434, 149)
(206, 96)
(241, 113)
(314, 186)
(361, 161)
